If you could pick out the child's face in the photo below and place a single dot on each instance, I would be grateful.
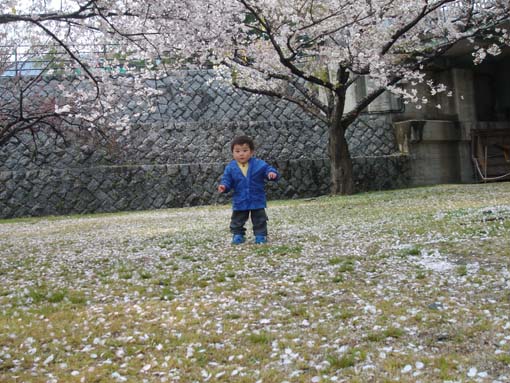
(242, 153)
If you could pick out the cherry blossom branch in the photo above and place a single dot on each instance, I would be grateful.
(284, 60)
(70, 53)
(301, 103)
(406, 28)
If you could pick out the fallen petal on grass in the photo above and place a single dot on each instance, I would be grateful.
(406, 285)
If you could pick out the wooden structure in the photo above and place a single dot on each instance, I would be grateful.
(490, 150)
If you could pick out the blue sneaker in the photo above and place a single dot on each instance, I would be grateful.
(237, 239)
(260, 239)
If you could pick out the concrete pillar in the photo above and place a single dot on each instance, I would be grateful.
(432, 145)
(464, 96)
(386, 102)
(351, 98)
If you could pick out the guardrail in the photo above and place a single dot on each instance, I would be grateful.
(34, 60)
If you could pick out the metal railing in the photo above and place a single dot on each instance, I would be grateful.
(34, 60)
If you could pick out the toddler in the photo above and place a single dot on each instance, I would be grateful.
(246, 175)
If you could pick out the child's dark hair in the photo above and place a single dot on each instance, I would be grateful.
(241, 140)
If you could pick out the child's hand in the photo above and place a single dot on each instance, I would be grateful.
(272, 175)
(222, 188)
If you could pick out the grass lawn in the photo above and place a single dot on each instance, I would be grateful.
(408, 285)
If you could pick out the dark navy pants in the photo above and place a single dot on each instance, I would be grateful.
(258, 220)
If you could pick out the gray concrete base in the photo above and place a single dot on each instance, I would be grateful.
(439, 151)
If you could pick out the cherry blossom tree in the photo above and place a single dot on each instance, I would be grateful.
(299, 49)
(309, 52)
(54, 35)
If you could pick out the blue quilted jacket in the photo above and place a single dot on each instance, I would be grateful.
(249, 191)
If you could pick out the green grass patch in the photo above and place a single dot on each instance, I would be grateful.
(340, 291)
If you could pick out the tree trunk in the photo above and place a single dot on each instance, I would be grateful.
(340, 158)
(341, 163)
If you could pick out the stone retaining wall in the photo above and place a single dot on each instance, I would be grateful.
(141, 187)
(174, 156)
